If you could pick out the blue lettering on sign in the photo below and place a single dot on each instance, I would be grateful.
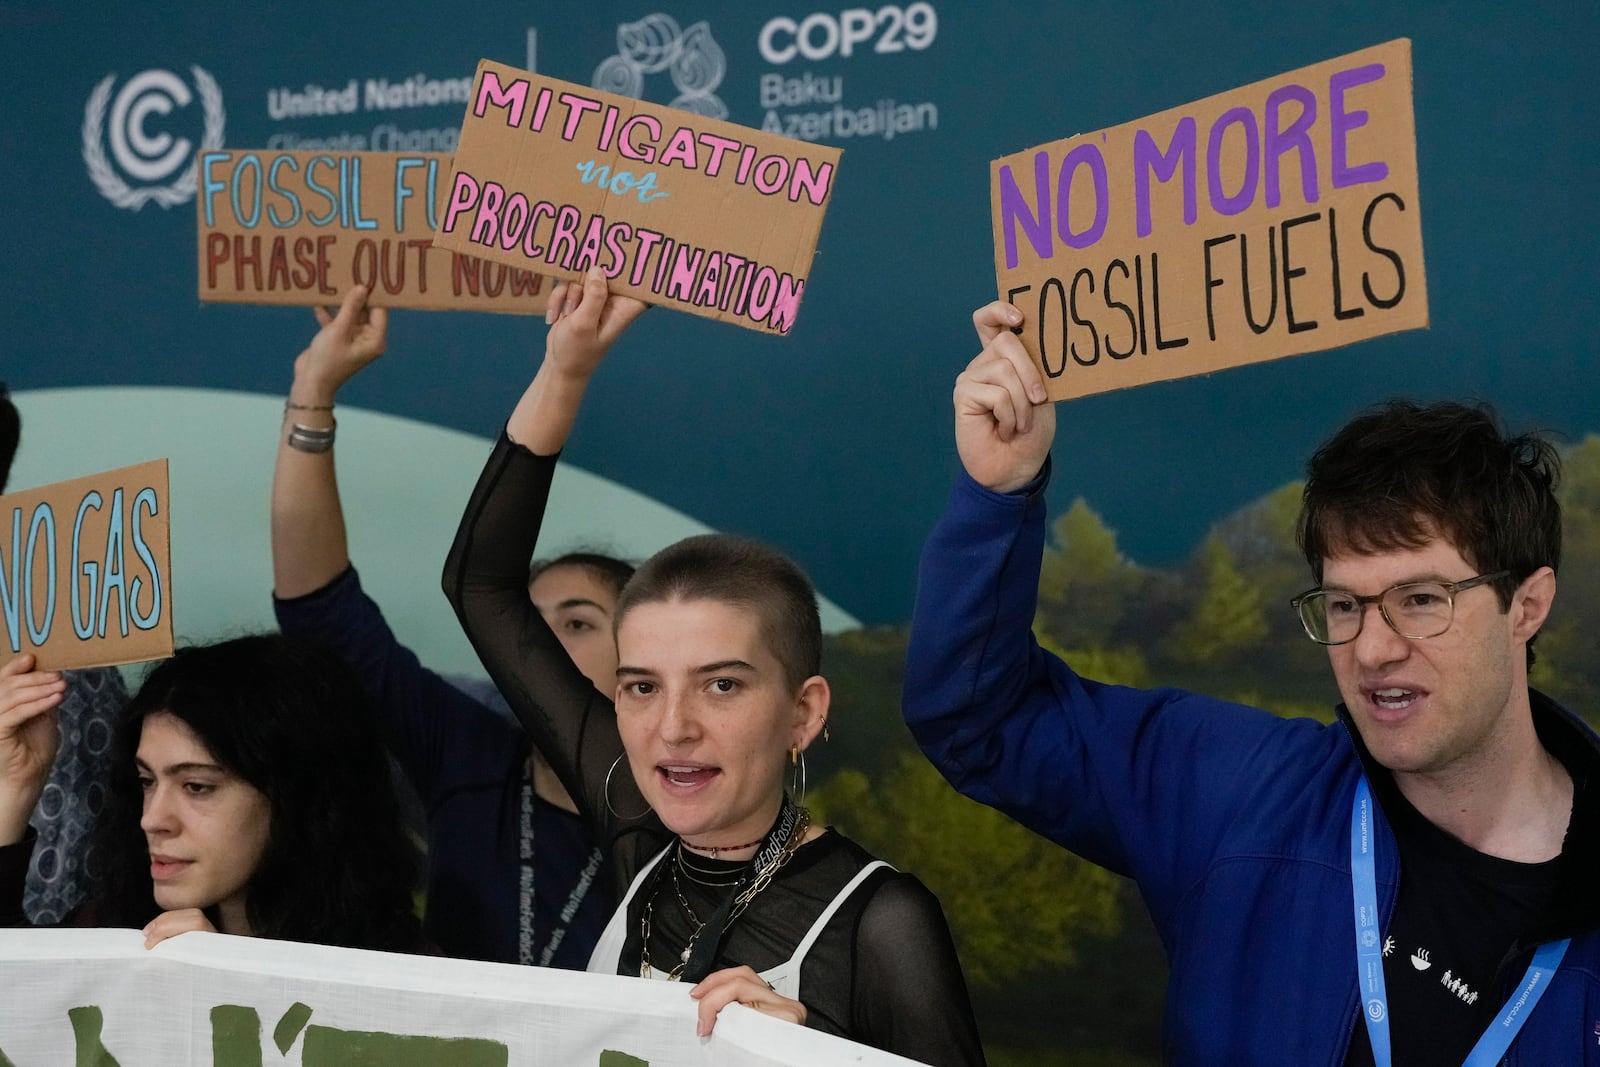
(253, 161)
(9, 590)
(283, 222)
(43, 518)
(146, 498)
(84, 628)
(622, 182)
(114, 570)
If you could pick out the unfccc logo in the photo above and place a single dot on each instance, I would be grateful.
(141, 149)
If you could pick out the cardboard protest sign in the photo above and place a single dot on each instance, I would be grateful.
(1272, 220)
(679, 210)
(303, 227)
(85, 576)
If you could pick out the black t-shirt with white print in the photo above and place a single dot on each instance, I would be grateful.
(1445, 964)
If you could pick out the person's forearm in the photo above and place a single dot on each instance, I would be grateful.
(309, 549)
(543, 418)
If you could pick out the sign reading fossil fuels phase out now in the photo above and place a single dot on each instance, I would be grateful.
(1268, 221)
(85, 577)
(304, 227)
(678, 209)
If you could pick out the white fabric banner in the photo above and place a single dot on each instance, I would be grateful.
(99, 997)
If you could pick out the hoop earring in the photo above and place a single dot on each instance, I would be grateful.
(607, 794)
(797, 772)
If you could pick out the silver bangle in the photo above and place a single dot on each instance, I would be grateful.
(310, 438)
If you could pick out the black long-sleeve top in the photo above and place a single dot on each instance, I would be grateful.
(884, 971)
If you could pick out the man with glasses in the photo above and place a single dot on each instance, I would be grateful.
(1414, 883)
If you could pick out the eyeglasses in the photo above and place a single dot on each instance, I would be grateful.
(1413, 610)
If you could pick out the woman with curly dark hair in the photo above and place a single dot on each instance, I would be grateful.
(250, 796)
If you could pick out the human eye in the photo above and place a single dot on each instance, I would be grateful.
(146, 783)
(1339, 604)
(639, 688)
(1421, 597)
(577, 626)
(724, 685)
(199, 789)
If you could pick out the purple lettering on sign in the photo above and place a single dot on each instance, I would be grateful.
(1148, 159)
(1296, 137)
(1084, 155)
(1221, 202)
(492, 94)
(1014, 210)
(1341, 122)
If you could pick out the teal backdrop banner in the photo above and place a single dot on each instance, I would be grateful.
(832, 442)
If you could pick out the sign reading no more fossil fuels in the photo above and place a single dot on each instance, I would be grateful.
(1269, 221)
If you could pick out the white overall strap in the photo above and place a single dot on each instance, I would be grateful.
(608, 950)
(785, 977)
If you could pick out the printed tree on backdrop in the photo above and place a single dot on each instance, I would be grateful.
(1085, 583)
(1227, 617)
(1015, 901)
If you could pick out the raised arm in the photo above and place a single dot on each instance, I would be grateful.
(1145, 782)
(318, 594)
(308, 533)
(486, 573)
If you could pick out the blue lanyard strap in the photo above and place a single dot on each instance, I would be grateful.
(1369, 938)
(1492, 1046)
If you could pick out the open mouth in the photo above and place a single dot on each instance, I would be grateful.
(1393, 699)
(686, 775)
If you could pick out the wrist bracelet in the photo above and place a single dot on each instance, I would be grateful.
(290, 405)
(310, 438)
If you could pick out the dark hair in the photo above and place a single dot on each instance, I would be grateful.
(290, 719)
(746, 573)
(1401, 474)
(612, 572)
(10, 435)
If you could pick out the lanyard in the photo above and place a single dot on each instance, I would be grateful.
(525, 935)
(1369, 956)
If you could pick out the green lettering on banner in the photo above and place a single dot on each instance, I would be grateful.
(294, 1020)
(610, 1058)
(327, 1047)
(86, 1025)
(235, 1036)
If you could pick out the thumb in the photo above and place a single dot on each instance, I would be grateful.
(353, 301)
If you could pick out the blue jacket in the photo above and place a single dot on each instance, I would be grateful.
(1235, 823)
